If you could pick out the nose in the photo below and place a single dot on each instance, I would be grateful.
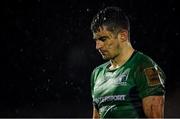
(99, 44)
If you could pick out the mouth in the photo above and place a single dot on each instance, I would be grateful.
(103, 52)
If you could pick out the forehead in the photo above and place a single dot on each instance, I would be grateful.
(102, 32)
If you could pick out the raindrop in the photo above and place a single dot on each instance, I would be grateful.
(21, 50)
(87, 9)
(134, 42)
(46, 38)
(57, 95)
(17, 111)
(173, 9)
(35, 89)
(43, 70)
(33, 19)
(32, 104)
(67, 31)
(46, 58)
(30, 78)
(49, 80)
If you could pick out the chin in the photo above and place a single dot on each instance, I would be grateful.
(106, 58)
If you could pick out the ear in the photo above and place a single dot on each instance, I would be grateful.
(123, 35)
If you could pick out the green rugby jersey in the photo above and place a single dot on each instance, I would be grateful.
(118, 93)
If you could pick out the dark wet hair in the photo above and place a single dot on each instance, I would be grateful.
(113, 18)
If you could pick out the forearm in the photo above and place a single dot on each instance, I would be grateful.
(95, 113)
(154, 106)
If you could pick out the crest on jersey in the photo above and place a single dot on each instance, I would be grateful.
(152, 76)
(122, 78)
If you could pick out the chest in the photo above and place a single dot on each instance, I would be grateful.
(118, 82)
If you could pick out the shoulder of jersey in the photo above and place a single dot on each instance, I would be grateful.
(102, 65)
(144, 58)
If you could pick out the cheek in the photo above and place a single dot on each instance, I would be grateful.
(113, 46)
(110, 45)
(117, 46)
(115, 49)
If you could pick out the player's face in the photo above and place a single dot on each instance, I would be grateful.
(106, 43)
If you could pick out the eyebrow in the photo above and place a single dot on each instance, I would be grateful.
(100, 38)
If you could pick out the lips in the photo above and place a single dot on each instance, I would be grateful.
(102, 52)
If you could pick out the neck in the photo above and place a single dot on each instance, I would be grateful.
(124, 55)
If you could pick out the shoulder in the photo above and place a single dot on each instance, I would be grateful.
(101, 67)
(148, 66)
(144, 60)
(97, 71)
(145, 63)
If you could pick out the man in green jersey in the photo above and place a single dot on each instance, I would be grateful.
(130, 84)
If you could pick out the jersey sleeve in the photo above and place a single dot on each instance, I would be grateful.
(92, 83)
(93, 79)
(150, 79)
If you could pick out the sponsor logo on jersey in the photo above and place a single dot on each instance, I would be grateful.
(105, 99)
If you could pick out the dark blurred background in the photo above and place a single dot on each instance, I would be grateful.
(50, 53)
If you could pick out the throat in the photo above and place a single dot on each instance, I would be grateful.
(120, 60)
(114, 67)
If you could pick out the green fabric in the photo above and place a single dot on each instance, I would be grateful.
(118, 93)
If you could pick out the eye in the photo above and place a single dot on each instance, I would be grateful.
(103, 39)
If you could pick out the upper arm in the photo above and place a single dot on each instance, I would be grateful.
(153, 106)
(150, 84)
